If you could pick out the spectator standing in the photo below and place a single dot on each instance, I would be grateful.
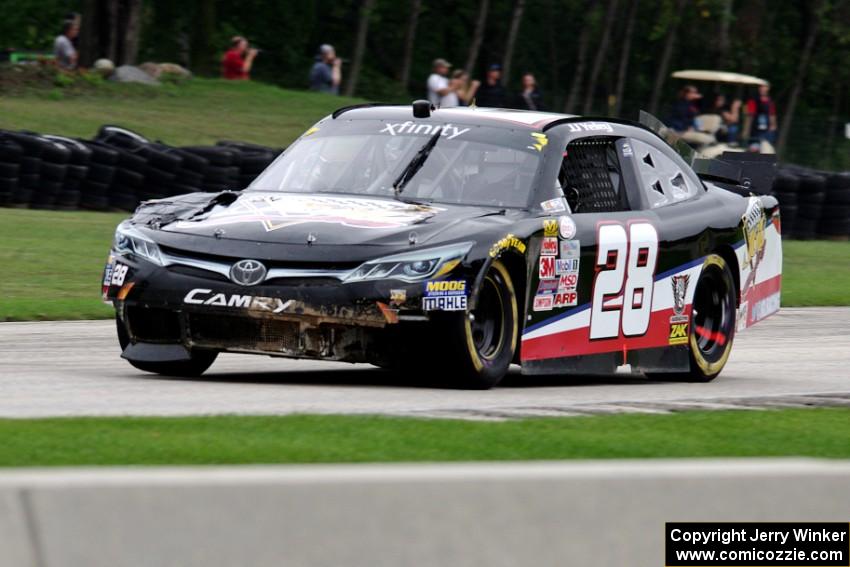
(238, 60)
(440, 91)
(63, 46)
(461, 90)
(492, 93)
(683, 118)
(760, 118)
(326, 73)
(529, 98)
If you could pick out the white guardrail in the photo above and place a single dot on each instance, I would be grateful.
(487, 514)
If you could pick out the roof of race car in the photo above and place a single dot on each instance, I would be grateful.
(472, 115)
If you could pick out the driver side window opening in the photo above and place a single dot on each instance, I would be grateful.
(662, 179)
(590, 176)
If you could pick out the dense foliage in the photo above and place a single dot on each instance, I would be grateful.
(796, 44)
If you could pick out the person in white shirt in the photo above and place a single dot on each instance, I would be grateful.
(63, 46)
(440, 92)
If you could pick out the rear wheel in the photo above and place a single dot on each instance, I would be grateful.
(712, 325)
(197, 365)
(481, 342)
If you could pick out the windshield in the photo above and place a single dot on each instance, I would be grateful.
(470, 165)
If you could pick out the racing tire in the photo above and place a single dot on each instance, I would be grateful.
(712, 324)
(480, 343)
(200, 361)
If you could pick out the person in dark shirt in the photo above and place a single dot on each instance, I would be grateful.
(326, 73)
(529, 98)
(760, 118)
(238, 60)
(491, 92)
(683, 117)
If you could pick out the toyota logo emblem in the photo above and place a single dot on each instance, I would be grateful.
(247, 272)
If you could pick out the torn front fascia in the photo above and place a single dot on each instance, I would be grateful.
(158, 212)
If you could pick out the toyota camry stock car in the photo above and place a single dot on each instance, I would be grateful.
(462, 240)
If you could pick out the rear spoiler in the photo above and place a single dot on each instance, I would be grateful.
(740, 172)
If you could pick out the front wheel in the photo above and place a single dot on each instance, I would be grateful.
(480, 343)
(712, 324)
(199, 362)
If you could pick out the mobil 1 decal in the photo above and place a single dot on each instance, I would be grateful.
(625, 275)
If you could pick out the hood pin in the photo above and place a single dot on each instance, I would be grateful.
(311, 238)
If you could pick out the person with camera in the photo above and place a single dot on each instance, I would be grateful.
(238, 60)
(326, 73)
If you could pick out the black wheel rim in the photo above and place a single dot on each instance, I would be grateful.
(713, 314)
(487, 320)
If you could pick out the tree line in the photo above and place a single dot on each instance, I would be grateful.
(599, 57)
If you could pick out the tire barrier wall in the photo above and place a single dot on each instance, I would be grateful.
(814, 204)
(118, 169)
(483, 514)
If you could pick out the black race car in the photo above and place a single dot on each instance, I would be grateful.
(456, 241)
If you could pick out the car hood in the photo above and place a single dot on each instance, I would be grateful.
(288, 218)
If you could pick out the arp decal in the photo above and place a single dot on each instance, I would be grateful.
(283, 210)
(622, 290)
(549, 246)
(566, 299)
(547, 267)
(509, 242)
(236, 301)
(550, 227)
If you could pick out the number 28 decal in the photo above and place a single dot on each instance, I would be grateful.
(622, 291)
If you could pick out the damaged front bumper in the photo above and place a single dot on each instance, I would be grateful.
(165, 312)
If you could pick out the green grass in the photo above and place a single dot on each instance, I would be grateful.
(52, 263)
(815, 273)
(340, 439)
(200, 111)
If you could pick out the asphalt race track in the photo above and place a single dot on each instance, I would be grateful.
(800, 357)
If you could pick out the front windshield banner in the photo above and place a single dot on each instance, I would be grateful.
(472, 165)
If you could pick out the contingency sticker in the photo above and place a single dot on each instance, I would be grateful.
(567, 227)
(568, 266)
(567, 282)
(550, 227)
(570, 249)
(543, 302)
(547, 267)
(549, 247)
(554, 205)
(547, 286)
(566, 299)
(445, 295)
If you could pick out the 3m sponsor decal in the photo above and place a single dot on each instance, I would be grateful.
(549, 246)
(567, 282)
(543, 302)
(509, 242)
(566, 227)
(570, 249)
(119, 273)
(445, 288)
(449, 303)
(678, 333)
(547, 286)
(547, 267)
(550, 227)
(566, 299)
(448, 131)
(568, 266)
(236, 301)
(590, 127)
(554, 205)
